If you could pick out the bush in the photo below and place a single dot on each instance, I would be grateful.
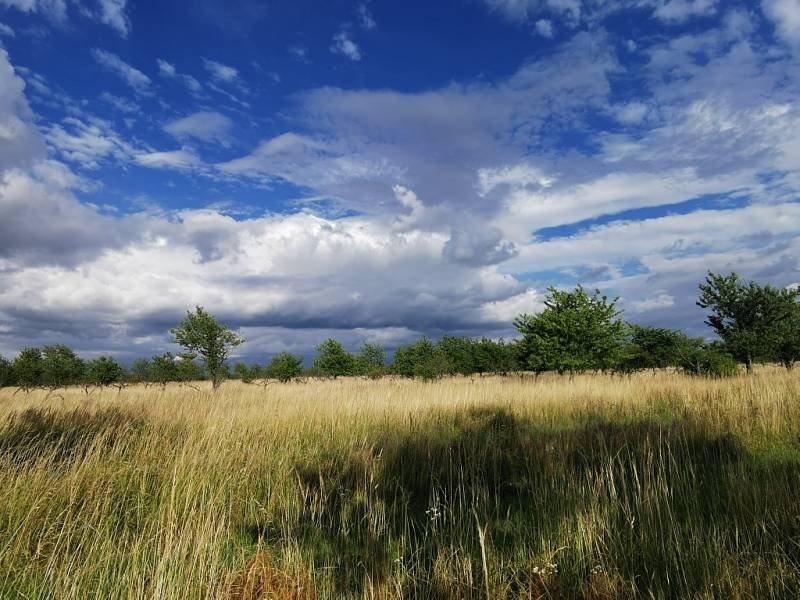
(104, 371)
(333, 360)
(710, 361)
(6, 372)
(27, 368)
(284, 367)
(422, 359)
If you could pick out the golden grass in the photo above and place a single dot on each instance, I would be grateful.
(655, 485)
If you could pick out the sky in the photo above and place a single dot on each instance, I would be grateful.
(378, 170)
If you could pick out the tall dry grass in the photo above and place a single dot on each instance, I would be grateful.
(653, 486)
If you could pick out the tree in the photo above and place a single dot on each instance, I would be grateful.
(654, 348)
(421, 359)
(748, 317)
(333, 360)
(140, 371)
(27, 368)
(162, 369)
(201, 334)
(284, 367)
(709, 360)
(788, 347)
(61, 366)
(243, 372)
(371, 361)
(103, 371)
(6, 372)
(575, 332)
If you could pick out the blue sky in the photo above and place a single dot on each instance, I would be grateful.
(378, 170)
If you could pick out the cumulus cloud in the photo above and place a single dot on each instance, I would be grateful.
(130, 75)
(451, 216)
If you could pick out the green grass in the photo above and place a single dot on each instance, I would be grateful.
(661, 487)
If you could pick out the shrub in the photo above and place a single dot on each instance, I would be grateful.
(104, 371)
(27, 368)
(284, 367)
(333, 360)
(710, 361)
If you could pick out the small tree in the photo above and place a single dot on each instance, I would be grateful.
(284, 367)
(333, 360)
(371, 361)
(748, 317)
(61, 366)
(104, 371)
(6, 372)
(709, 361)
(422, 359)
(788, 346)
(654, 348)
(201, 334)
(140, 371)
(575, 332)
(243, 372)
(27, 368)
(162, 369)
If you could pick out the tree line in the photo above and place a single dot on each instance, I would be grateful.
(577, 331)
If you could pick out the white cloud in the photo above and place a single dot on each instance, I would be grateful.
(299, 53)
(55, 10)
(130, 75)
(184, 159)
(168, 71)
(89, 141)
(205, 126)
(5, 30)
(544, 27)
(786, 16)
(221, 72)
(365, 17)
(20, 142)
(112, 13)
(124, 105)
(662, 300)
(342, 44)
(677, 11)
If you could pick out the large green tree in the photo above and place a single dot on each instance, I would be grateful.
(201, 334)
(576, 331)
(750, 319)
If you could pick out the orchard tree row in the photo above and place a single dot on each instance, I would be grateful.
(577, 331)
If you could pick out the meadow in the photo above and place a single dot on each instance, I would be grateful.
(655, 485)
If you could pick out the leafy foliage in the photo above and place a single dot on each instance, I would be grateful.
(333, 360)
(61, 366)
(575, 332)
(201, 334)
(284, 367)
(749, 318)
(104, 371)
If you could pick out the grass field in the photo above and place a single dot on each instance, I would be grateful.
(654, 486)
